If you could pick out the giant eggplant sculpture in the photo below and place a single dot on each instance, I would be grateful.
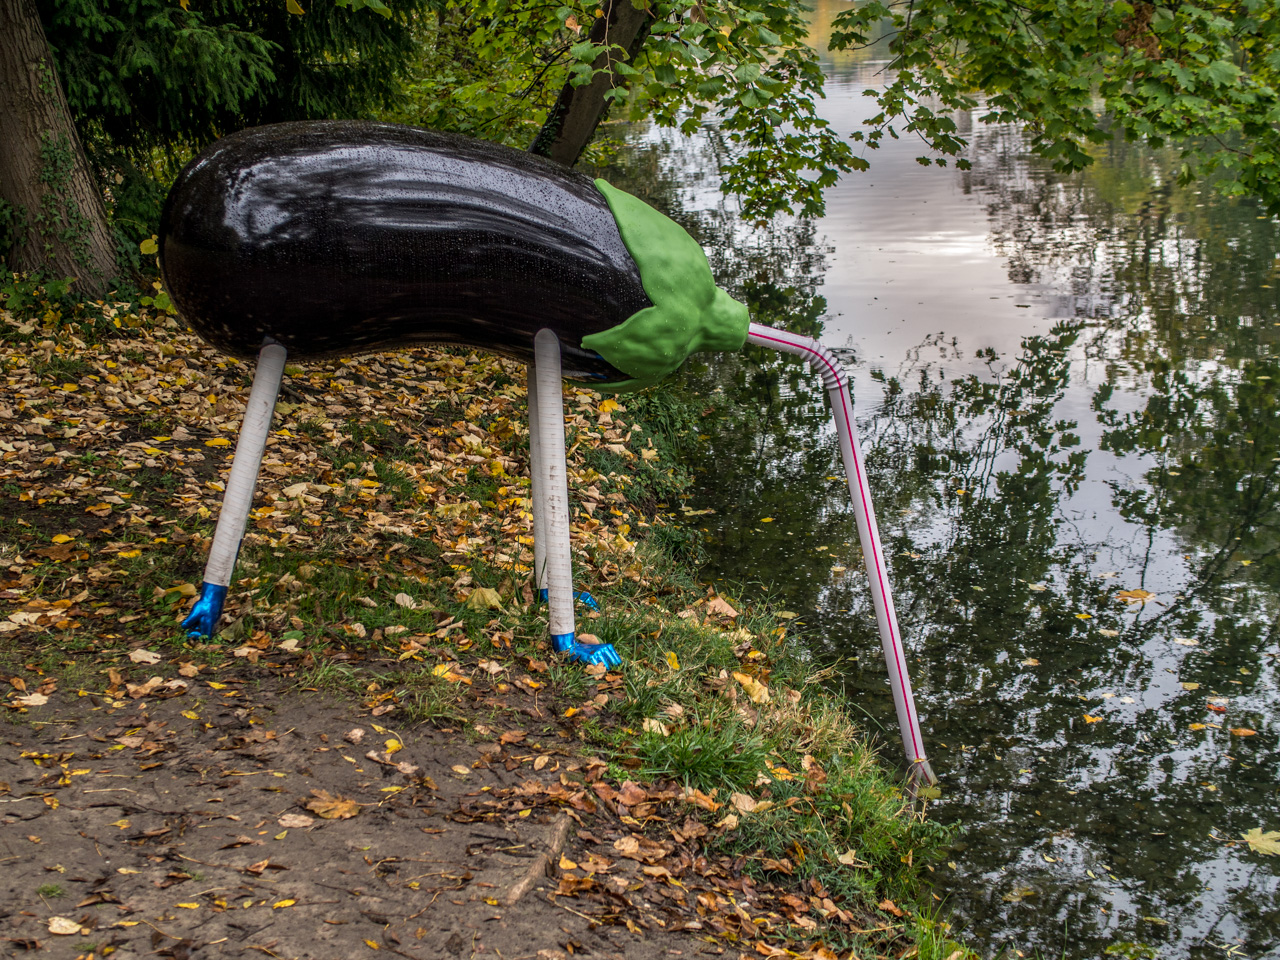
(328, 239)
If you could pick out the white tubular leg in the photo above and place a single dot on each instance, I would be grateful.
(536, 495)
(837, 384)
(555, 486)
(250, 447)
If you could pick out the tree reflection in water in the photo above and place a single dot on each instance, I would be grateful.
(1134, 446)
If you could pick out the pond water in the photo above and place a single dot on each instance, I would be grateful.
(1069, 395)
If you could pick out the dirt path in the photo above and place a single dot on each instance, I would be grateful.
(181, 828)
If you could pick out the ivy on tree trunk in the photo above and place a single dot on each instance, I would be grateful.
(58, 223)
(578, 110)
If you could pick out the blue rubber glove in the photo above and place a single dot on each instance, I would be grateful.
(599, 654)
(203, 619)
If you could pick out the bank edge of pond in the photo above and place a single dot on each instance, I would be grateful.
(400, 584)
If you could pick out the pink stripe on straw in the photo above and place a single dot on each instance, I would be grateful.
(839, 378)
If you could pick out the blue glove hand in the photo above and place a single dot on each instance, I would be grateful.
(203, 619)
(599, 654)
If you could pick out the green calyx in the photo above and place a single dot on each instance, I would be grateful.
(689, 312)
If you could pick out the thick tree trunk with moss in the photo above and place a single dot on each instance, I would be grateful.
(59, 221)
(578, 110)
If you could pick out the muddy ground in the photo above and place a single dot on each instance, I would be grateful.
(253, 820)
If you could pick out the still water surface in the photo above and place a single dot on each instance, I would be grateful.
(1068, 389)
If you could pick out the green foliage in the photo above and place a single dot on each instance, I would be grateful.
(149, 82)
(1201, 74)
(494, 68)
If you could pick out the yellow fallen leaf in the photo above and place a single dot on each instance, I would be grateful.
(1134, 596)
(1243, 732)
(1266, 843)
(63, 538)
(1089, 719)
(672, 660)
(280, 904)
(218, 442)
(756, 690)
(566, 863)
(189, 906)
(1197, 726)
(393, 745)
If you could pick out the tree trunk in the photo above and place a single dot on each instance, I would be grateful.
(60, 222)
(572, 121)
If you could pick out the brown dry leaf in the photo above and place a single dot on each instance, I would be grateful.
(700, 799)
(331, 807)
(743, 803)
(1134, 596)
(137, 690)
(32, 700)
(144, 656)
(888, 906)
(63, 926)
(655, 726)
(295, 821)
(719, 608)
(1243, 732)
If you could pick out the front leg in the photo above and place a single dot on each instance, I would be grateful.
(203, 619)
(552, 489)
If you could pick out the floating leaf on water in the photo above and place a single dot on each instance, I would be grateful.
(1089, 719)
(1108, 633)
(1190, 686)
(1135, 596)
(1186, 641)
(1243, 732)
(1084, 616)
(1037, 587)
(1265, 843)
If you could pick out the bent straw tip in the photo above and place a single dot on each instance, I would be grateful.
(922, 774)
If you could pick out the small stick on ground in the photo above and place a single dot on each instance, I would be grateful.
(541, 867)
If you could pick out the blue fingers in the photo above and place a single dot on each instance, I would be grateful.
(581, 596)
(202, 621)
(599, 654)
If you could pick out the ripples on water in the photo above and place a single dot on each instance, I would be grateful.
(1067, 388)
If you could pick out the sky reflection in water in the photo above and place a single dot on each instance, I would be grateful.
(1067, 389)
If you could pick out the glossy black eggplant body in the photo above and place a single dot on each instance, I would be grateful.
(339, 238)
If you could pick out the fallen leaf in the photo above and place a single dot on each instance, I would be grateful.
(651, 725)
(1190, 686)
(32, 700)
(1266, 843)
(63, 926)
(484, 598)
(1089, 719)
(720, 608)
(331, 807)
(1243, 732)
(144, 656)
(1134, 596)
(672, 660)
(291, 821)
(756, 690)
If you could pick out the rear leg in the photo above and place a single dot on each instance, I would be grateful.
(551, 487)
